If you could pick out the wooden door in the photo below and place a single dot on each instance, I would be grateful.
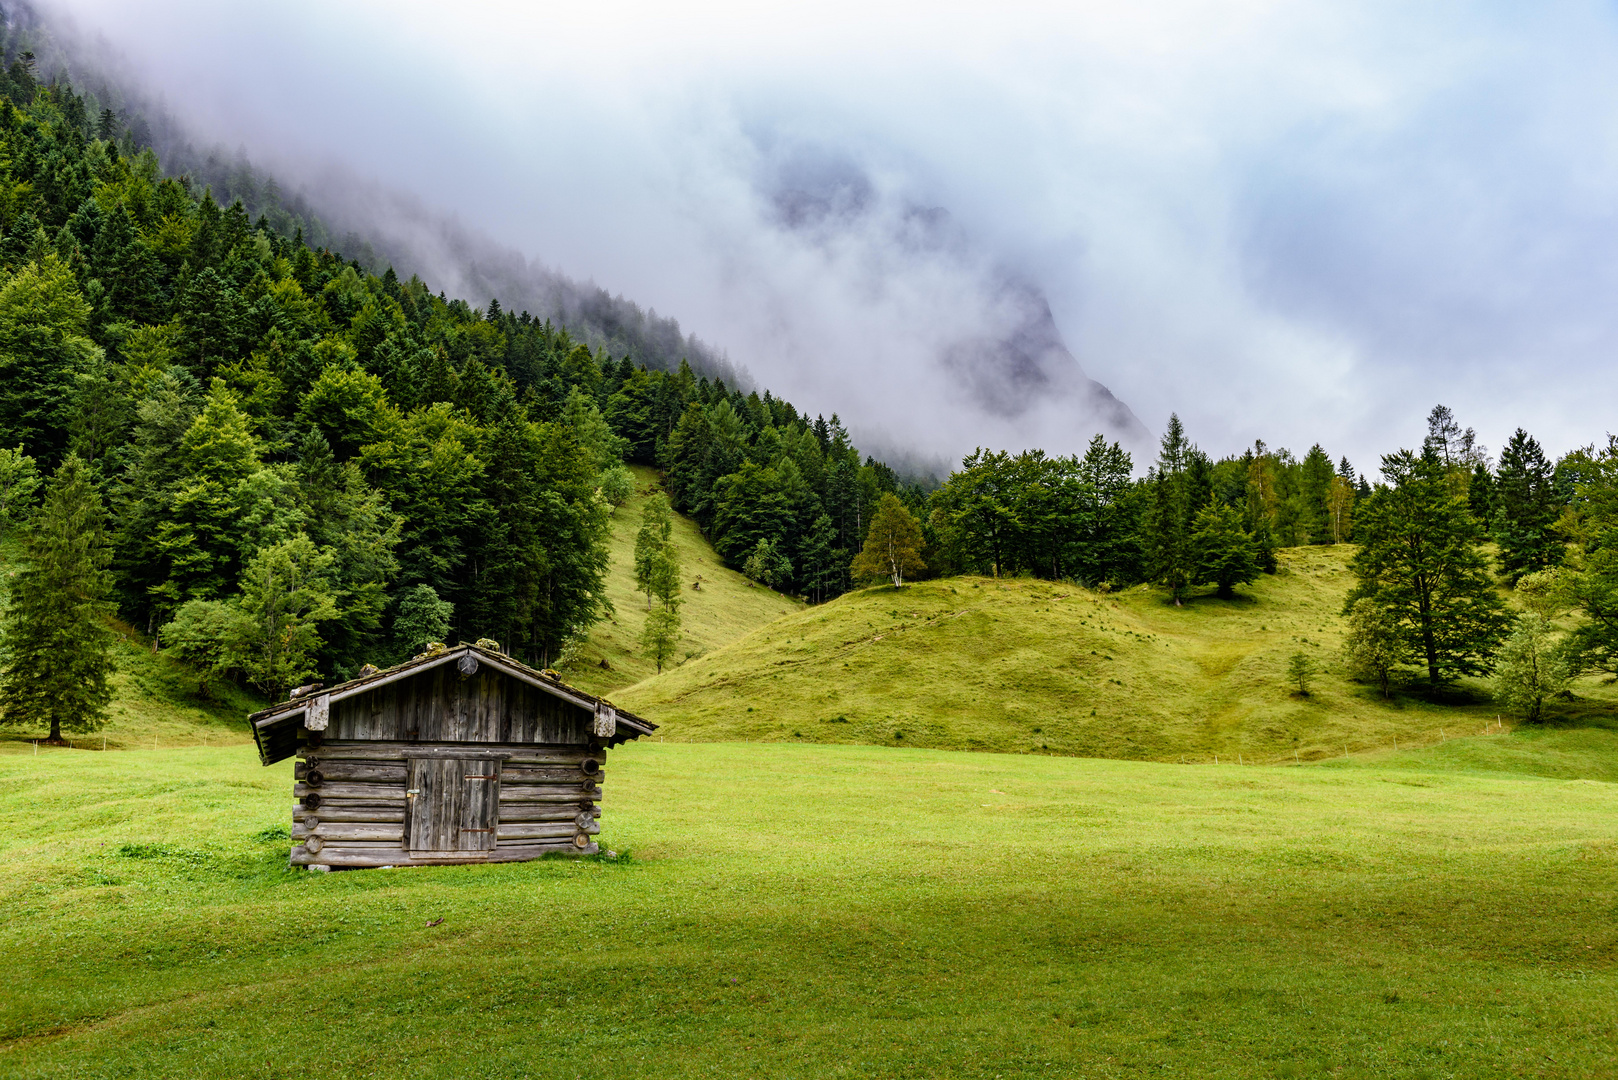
(453, 804)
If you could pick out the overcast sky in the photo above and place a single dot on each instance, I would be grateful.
(1292, 221)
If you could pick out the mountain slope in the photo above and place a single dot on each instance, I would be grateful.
(1025, 665)
(725, 608)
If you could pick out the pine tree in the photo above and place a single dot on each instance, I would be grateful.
(1419, 561)
(1443, 436)
(1526, 508)
(57, 657)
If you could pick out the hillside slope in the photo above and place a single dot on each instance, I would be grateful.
(157, 701)
(725, 608)
(1025, 665)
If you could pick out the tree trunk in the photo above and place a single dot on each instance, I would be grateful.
(56, 734)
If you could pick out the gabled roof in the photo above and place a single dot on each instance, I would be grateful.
(272, 726)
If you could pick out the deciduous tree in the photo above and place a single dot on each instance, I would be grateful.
(892, 546)
(286, 595)
(1371, 646)
(422, 619)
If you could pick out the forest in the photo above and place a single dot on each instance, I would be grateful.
(282, 465)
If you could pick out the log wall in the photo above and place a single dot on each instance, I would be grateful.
(353, 808)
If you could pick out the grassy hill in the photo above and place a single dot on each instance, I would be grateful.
(828, 911)
(1033, 666)
(156, 703)
(726, 607)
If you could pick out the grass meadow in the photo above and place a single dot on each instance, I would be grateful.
(835, 911)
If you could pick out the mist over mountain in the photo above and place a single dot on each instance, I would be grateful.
(1002, 350)
(823, 260)
(364, 220)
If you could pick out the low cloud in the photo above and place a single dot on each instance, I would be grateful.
(1294, 221)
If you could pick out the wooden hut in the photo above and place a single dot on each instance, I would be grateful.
(461, 755)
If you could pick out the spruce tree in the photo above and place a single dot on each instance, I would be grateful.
(1525, 509)
(1480, 495)
(1419, 562)
(1314, 497)
(44, 323)
(1106, 544)
(1224, 553)
(815, 561)
(57, 657)
(1592, 579)
(1170, 513)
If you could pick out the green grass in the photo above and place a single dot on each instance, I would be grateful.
(1032, 666)
(811, 911)
(726, 607)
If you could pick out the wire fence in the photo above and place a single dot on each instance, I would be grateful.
(119, 741)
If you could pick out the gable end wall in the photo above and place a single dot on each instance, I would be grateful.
(441, 705)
